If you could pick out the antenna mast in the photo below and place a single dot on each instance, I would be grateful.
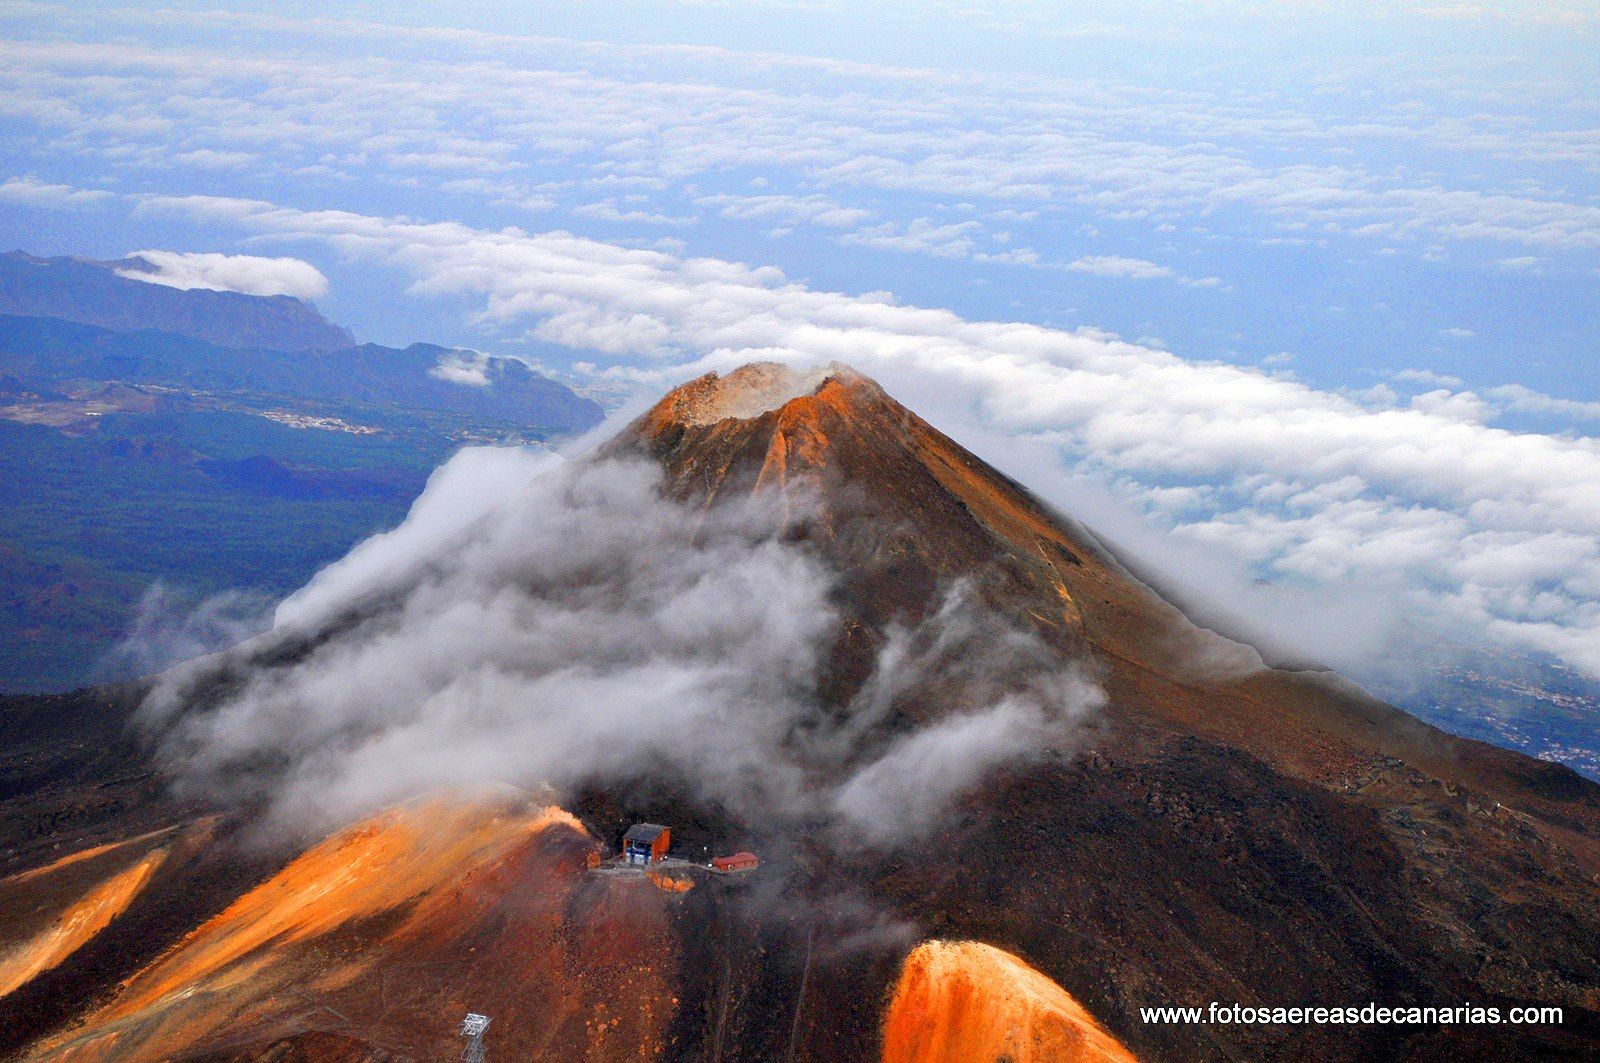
(472, 1028)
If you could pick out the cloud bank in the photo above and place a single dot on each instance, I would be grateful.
(247, 274)
(490, 110)
(538, 622)
(1414, 513)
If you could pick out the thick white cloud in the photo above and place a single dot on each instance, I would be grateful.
(230, 273)
(534, 622)
(1358, 501)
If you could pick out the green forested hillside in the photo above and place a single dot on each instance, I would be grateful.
(200, 502)
(132, 460)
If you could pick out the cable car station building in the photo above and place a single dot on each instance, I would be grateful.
(646, 843)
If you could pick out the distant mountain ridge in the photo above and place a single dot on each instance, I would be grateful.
(208, 441)
(48, 355)
(94, 293)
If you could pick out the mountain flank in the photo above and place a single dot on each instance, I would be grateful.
(1217, 830)
(99, 293)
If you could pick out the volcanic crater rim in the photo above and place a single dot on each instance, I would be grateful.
(752, 390)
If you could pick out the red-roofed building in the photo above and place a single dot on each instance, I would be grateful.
(736, 862)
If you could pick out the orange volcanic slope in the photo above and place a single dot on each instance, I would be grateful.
(386, 933)
(965, 1002)
(53, 911)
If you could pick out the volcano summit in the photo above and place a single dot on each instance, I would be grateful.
(1006, 794)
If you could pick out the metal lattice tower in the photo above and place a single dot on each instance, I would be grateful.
(472, 1028)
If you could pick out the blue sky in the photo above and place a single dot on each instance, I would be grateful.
(1302, 295)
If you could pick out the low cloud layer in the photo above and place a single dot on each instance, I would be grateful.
(247, 274)
(1339, 522)
(488, 110)
(539, 622)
